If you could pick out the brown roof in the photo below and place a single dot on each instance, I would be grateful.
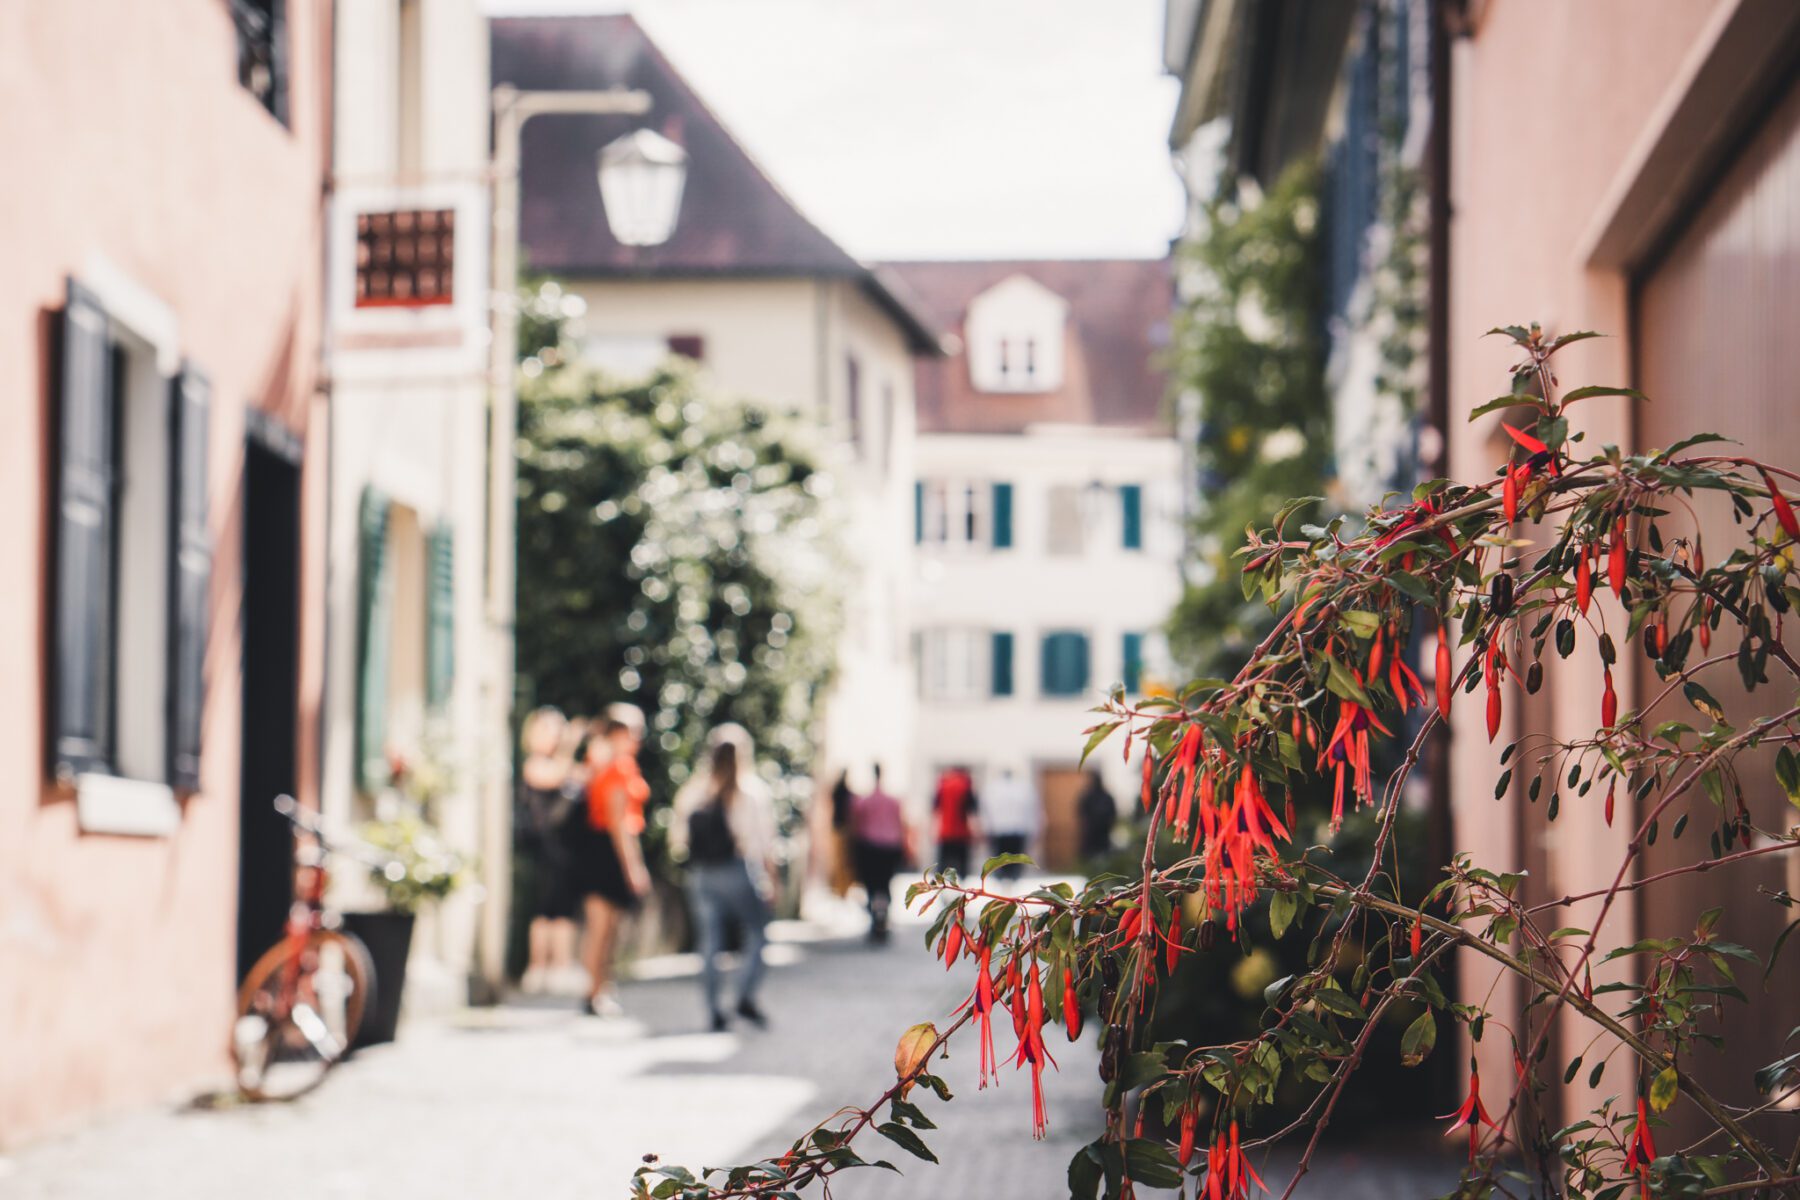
(1119, 312)
(734, 220)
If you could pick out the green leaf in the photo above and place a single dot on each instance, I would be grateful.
(1703, 700)
(1663, 1089)
(1787, 773)
(1342, 683)
(1005, 860)
(906, 1139)
(1341, 1003)
(1282, 907)
(1149, 1162)
(1361, 622)
(1101, 732)
(1500, 402)
(1419, 1038)
(1085, 1172)
(1587, 393)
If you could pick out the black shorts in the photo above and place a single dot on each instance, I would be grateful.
(598, 871)
(553, 893)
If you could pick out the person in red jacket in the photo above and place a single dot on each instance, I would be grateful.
(954, 807)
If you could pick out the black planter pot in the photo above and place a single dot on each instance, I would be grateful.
(388, 936)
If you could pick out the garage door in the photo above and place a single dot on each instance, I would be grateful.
(1718, 349)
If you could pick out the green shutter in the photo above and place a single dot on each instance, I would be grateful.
(374, 632)
(918, 511)
(1003, 664)
(190, 576)
(1131, 501)
(1002, 516)
(1134, 662)
(1065, 663)
(440, 616)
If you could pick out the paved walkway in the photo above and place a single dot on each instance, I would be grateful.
(530, 1100)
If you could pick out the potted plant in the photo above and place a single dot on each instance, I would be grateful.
(412, 865)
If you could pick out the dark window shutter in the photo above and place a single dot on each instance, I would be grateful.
(1002, 516)
(688, 345)
(1134, 661)
(440, 616)
(82, 588)
(375, 603)
(918, 511)
(1002, 664)
(190, 574)
(1065, 663)
(1131, 502)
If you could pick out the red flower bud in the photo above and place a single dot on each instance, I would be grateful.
(1784, 512)
(1444, 681)
(1510, 496)
(1611, 789)
(1615, 559)
(1417, 934)
(1493, 711)
(1071, 1005)
(1609, 701)
(1584, 582)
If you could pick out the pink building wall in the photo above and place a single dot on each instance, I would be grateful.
(126, 135)
(1549, 102)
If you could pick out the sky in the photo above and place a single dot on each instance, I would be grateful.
(939, 128)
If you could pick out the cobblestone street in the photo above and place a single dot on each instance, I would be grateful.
(533, 1100)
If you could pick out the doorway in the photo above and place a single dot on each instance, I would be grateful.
(271, 676)
(1060, 786)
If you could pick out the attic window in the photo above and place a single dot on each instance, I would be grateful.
(1014, 332)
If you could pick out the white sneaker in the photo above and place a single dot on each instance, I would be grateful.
(532, 983)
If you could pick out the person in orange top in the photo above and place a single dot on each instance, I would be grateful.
(614, 878)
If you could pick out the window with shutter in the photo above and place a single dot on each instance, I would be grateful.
(83, 578)
(190, 575)
(375, 594)
(1003, 536)
(440, 617)
(918, 511)
(1065, 663)
(1134, 662)
(1002, 654)
(1131, 515)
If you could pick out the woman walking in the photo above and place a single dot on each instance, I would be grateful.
(610, 860)
(724, 825)
(549, 788)
(879, 839)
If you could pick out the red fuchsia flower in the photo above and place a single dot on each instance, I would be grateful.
(981, 1002)
(1611, 789)
(1615, 558)
(1609, 701)
(953, 942)
(1348, 746)
(1190, 1125)
(1444, 681)
(1172, 955)
(1490, 672)
(1417, 934)
(1472, 1113)
(1228, 1173)
(1584, 579)
(1235, 836)
(1015, 995)
(1640, 1150)
(1032, 1052)
(1784, 512)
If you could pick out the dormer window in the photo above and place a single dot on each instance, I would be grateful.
(1014, 332)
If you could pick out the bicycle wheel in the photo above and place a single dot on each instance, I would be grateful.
(296, 1019)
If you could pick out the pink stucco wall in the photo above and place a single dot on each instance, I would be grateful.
(1549, 98)
(125, 134)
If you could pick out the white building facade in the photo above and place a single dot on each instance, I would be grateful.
(411, 662)
(1046, 522)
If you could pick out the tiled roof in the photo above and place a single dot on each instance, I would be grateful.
(1119, 311)
(734, 220)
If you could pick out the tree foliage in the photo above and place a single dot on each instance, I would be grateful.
(675, 551)
(1248, 345)
(1561, 554)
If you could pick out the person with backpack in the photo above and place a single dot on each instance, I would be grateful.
(724, 827)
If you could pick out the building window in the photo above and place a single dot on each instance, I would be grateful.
(690, 346)
(262, 52)
(1065, 663)
(405, 259)
(1133, 655)
(132, 560)
(955, 664)
(1065, 534)
(1001, 651)
(1131, 516)
(958, 512)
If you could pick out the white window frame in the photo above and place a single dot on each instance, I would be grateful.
(959, 513)
(956, 663)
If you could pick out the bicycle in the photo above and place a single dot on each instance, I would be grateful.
(300, 1006)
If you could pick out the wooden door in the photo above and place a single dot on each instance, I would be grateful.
(1060, 787)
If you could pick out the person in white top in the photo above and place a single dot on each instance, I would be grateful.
(1010, 810)
(724, 828)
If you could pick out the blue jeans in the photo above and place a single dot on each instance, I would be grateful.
(719, 893)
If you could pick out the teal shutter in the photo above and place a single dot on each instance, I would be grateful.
(84, 499)
(1131, 502)
(190, 576)
(1002, 516)
(440, 616)
(918, 511)
(1003, 664)
(1134, 662)
(1065, 663)
(374, 631)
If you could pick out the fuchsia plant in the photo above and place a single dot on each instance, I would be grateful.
(1509, 570)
